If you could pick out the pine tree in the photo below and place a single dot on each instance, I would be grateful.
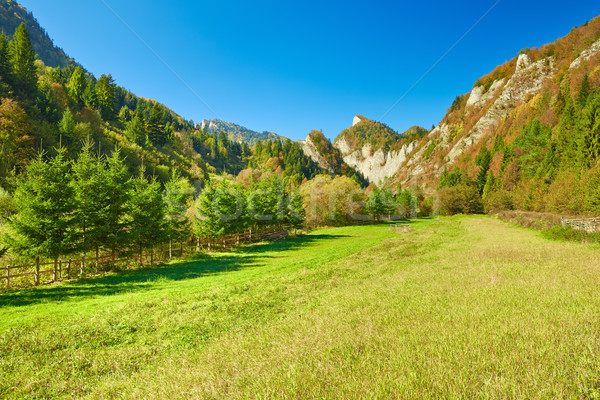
(178, 194)
(67, 124)
(489, 185)
(43, 226)
(115, 187)
(90, 197)
(221, 209)
(5, 66)
(22, 57)
(105, 92)
(89, 97)
(483, 160)
(145, 214)
(136, 128)
(154, 126)
(374, 205)
(584, 91)
(76, 87)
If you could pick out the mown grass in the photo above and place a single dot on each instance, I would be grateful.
(460, 307)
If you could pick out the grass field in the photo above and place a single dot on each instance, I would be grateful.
(459, 307)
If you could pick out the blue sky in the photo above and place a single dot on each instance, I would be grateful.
(290, 67)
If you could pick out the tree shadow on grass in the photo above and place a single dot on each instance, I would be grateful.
(144, 279)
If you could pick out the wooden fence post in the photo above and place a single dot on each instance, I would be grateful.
(197, 244)
(8, 276)
(59, 269)
(181, 244)
(55, 272)
(69, 268)
(170, 248)
(37, 271)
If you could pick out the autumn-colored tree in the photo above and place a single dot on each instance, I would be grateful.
(16, 143)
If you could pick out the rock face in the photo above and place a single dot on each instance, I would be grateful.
(376, 166)
(586, 55)
(311, 151)
(527, 79)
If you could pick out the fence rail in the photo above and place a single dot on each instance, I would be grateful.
(589, 225)
(80, 267)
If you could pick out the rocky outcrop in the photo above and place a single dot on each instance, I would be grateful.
(311, 151)
(527, 80)
(376, 166)
(586, 55)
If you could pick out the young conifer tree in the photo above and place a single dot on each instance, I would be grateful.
(178, 194)
(89, 187)
(22, 57)
(43, 225)
(145, 214)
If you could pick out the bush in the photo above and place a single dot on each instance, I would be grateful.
(499, 201)
(461, 199)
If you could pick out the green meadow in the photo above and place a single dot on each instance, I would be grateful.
(459, 307)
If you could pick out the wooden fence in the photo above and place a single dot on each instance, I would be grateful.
(80, 267)
(589, 225)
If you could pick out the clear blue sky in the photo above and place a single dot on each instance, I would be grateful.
(294, 66)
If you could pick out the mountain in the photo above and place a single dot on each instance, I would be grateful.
(236, 132)
(527, 136)
(13, 14)
(328, 157)
(374, 149)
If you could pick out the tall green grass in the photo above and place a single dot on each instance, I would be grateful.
(460, 307)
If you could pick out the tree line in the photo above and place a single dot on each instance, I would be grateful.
(91, 203)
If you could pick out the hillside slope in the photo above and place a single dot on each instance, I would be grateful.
(12, 15)
(527, 136)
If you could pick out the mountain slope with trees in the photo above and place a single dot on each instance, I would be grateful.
(526, 137)
(13, 14)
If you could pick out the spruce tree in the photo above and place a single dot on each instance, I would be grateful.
(584, 91)
(89, 97)
(115, 186)
(67, 124)
(136, 128)
(106, 94)
(145, 214)
(178, 194)
(90, 197)
(22, 58)
(43, 226)
(5, 66)
(154, 126)
(76, 87)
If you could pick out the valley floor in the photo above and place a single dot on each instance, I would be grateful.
(458, 307)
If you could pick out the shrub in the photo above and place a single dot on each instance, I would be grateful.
(461, 199)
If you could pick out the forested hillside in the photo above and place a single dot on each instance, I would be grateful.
(526, 137)
(13, 14)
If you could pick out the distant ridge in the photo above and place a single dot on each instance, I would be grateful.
(236, 132)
